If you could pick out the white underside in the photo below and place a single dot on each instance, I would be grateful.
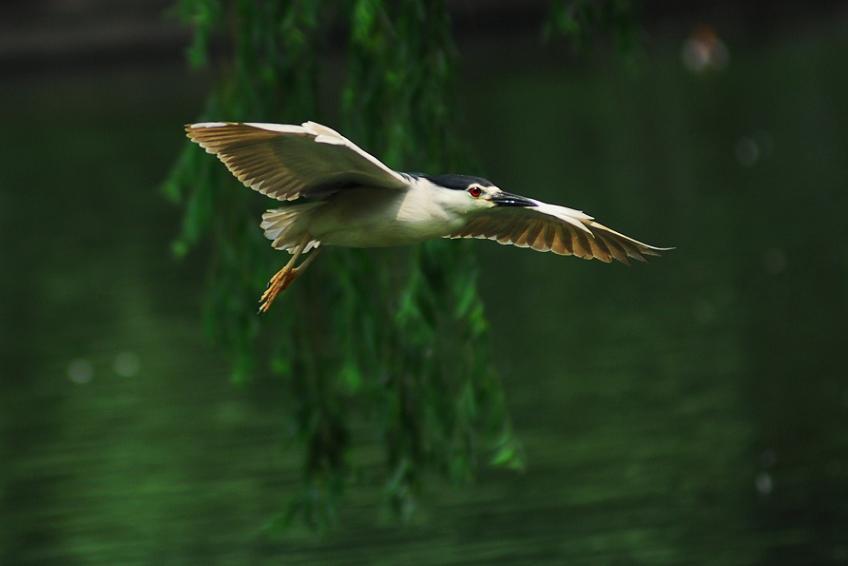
(378, 217)
(362, 218)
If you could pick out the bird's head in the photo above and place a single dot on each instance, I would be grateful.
(465, 193)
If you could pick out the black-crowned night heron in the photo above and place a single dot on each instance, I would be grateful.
(347, 197)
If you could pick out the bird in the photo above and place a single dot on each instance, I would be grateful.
(334, 193)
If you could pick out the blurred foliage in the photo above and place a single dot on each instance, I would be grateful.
(578, 20)
(372, 349)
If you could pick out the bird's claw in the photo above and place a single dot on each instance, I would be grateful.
(278, 283)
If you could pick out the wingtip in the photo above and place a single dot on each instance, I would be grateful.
(656, 250)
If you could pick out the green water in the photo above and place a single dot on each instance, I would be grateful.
(692, 410)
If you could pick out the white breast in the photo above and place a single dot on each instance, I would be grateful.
(383, 217)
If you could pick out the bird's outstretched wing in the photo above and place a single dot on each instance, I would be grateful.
(548, 227)
(286, 162)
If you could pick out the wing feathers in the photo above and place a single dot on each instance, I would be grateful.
(599, 250)
(564, 231)
(286, 162)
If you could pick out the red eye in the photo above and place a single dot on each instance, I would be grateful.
(475, 192)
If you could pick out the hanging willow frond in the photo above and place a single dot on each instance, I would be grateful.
(397, 351)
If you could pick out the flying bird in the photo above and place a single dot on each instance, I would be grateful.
(337, 194)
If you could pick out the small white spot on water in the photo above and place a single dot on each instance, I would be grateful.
(80, 371)
(126, 364)
(763, 483)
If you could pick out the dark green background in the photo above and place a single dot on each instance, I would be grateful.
(692, 410)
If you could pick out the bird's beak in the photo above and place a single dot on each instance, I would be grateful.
(509, 199)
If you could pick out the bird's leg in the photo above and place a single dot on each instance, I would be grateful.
(275, 285)
(298, 271)
(285, 276)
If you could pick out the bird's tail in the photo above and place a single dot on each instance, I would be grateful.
(286, 226)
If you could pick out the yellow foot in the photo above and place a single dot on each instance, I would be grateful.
(278, 283)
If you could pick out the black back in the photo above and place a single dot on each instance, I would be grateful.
(451, 181)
